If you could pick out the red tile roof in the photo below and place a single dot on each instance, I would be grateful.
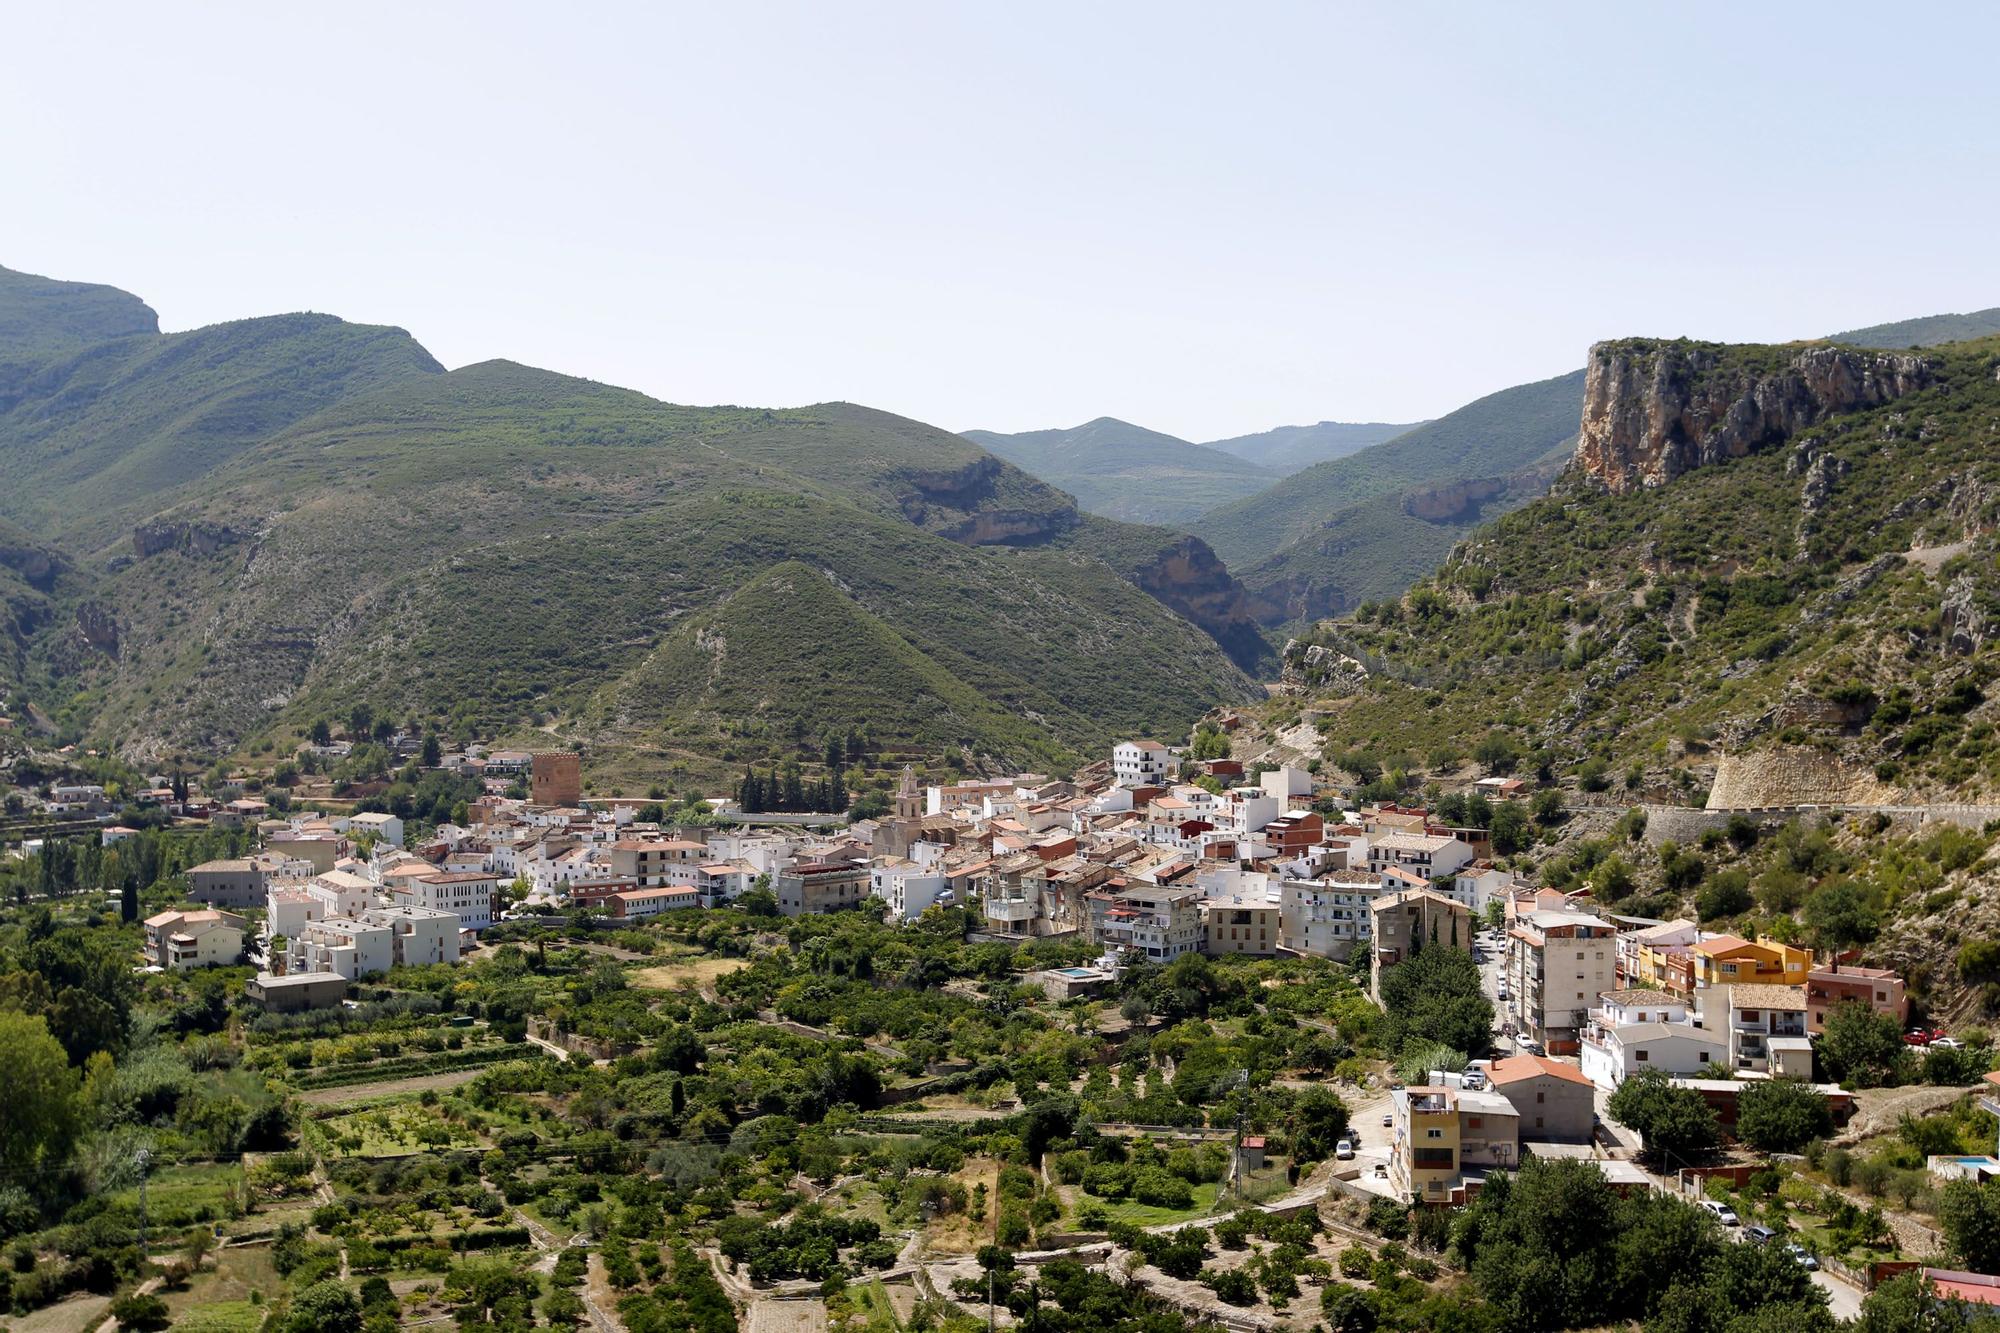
(1514, 1068)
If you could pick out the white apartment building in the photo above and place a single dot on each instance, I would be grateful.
(341, 893)
(343, 945)
(1558, 965)
(1637, 1030)
(1327, 917)
(468, 895)
(384, 828)
(419, 935)
(908, 889)
(1140, 763)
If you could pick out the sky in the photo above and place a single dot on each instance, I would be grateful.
(1208, 219)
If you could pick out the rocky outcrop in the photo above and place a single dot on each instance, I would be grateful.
(1453, 501)
(1314, 668)
(1191, 580)
(1653, 410)
(98, 627)
(149, 539)
(37, 566)
(971, 504)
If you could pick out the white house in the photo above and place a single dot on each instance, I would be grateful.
(1328, 916)
(1610, 1055)
(1139, 763)
(384, 828)
(909, 890)
(1432, 855)
(183, 941)
(342, 945)
(466, 894)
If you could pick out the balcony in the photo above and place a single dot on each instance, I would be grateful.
(1010, 909)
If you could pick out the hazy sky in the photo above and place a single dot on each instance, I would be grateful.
(1208, 219)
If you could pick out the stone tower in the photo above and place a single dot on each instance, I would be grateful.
(909, 800)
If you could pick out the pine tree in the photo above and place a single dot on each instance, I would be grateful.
(795, 790)
(128, 903)
(836, 791)
(835, 751)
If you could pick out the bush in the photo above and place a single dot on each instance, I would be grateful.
(1388, 1218)
(1356, 1261)
(1233, 1285)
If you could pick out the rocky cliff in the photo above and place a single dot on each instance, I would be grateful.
(1190, 580)
(1655, 409)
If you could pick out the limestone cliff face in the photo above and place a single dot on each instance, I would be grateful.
(974, 504)
(1653, 410)
(1191, 580)
(1451, 501)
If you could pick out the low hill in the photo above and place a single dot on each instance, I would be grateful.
(1122, 471)
(1925, 331)
(1288, 449)
(226, 534)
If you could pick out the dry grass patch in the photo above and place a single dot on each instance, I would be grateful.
(701, 973)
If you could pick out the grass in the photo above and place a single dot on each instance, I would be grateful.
(1149, 1215)
(388, 1131)
(221, 1317)
(179, 1195)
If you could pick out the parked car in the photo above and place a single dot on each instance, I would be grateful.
(1945, 1043)
(1759, 1235)
(1343, 1151)
(1474, 1080)
(1528, 1044)
(1807, 1260)
(1723, 1212)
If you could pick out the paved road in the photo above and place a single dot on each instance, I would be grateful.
(1843, 1300)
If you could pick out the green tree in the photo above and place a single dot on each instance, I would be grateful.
(1970, 1217)
(325, 1307)
(1434, 996)
(1511, 831)
(1842, 915)
(38, 1096)
(1676, 1123)
(140, 1314)
(1862, 1045)
(1781, 1114)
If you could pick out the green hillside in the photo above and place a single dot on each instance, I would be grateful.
(225, 534)
(1499, 434)
(96, 437)
(1288, 449)
(1925, 331)
(785, 653)
(41, 317)
(1123, 471)
(1839, 592)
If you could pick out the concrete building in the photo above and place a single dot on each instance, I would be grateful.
(1140, 763)
(1725, 960)
(657, 862)
(182, 941)
(467, 894)
(1680, 1049)
(386, 829)
(1558, 964)
(637, 904)
(1155, 921)
(230, 883)
(1327, 917)
(555, 778)
(1429, 855)
(907, 890)
(1877, 987)
(1401, 924)
(1555, 1101)
(1444, 1140)
(346, 946)
(295, 991)
(1245, 925)
(1764, 1025)
(817, 886)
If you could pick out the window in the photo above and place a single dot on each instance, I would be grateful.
(1640, 1056)
(1433, 1133)
(1434, 1159)
(1475, 1121)
(1538, 1122)
(1540, 1097)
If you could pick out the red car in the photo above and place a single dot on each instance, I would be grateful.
(1922, 1036)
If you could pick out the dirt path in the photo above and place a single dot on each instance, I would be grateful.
(600, 1302)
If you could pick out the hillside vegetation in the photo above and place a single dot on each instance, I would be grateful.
(1123, 471)
(1287, 449)
(1925, 331)
(1839, 592)
(241, 529)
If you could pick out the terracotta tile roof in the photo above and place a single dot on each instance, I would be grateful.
(1514, 1068)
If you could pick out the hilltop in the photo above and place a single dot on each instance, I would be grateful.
(1288, 449)
(1924, 331)
(1118, 470)
(224, 534)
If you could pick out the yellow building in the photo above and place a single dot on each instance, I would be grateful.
(1424, 1155)
(1729, 961)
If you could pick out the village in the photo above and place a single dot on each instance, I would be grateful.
(1136, 861)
